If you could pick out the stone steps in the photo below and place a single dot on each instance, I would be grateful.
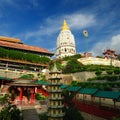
(30, 113)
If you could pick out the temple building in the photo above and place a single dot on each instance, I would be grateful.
(65, 42)
(8, 44)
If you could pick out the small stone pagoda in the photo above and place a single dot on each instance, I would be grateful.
(55, 106)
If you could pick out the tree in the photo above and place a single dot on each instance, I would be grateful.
(72, 66)
(9, 112)
(71, 112)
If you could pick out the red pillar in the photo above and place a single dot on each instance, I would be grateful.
(21, 96)
(32, 96)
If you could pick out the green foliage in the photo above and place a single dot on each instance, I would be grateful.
(27, 76)
(116, 118)
(68, 97)
(74, 83)
(58, 63)
(43, 116)
(5, 99)
(117, 71)
(10, 112)
(17, 55)
(112, 77)
(59, 66)
(40, 97)
(72, 66)
(77, 56)
(91, 79)
(98, 72)
(109, 72)
(72, 114)
(98, 85)
(118, 56)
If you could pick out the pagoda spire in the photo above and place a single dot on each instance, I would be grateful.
(65, 26)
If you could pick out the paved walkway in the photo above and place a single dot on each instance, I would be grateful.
(30, 113)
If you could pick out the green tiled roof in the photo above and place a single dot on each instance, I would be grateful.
(63, 86)
(73, 88)
(4, 78)
(8, 79)
(107, 94)
(41, 82)
(1, 77)
(89, 91)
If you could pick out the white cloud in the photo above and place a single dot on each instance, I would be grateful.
(53, 24)
(79, 21)
(113, 43)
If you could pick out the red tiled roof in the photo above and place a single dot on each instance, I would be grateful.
(24, 47)
(14, 40)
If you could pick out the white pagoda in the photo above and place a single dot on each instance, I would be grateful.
(65, 42)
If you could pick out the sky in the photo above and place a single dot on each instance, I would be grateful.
(38, 23)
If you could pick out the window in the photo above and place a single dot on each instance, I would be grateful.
(65, 49)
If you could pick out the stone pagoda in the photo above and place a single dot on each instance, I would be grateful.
(55, 105)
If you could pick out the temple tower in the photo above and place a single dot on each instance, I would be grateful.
(55, 106)
(65, 42)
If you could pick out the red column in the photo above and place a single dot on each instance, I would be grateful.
(21, 96)
(32, 96)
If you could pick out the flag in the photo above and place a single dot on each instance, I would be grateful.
(85, 33)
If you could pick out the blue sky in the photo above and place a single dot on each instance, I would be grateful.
(38, 22)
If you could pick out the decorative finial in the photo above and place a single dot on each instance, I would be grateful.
(65, 26)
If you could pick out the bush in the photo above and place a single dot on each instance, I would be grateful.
(72, 114)
(117, 71)
(40, 97)
(98, 72)
(10, 112)
(72, 66)
(27, 76)
(109, 72)
(112, 78)
(91, 79)
(43, 116)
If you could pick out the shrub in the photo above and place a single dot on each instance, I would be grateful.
(72, 113)
(27, 76)
(10, 112)
(112, 78)
(109, 72)
(43, 116)
(72, 66)
(98, 72)
(91, 79)
(117, 71)
(40, 97)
